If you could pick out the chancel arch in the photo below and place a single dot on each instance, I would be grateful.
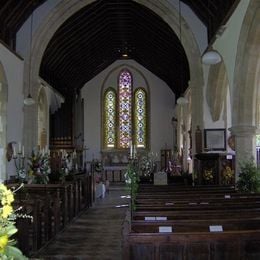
(166, 11)
(3, 121)
(42, 119)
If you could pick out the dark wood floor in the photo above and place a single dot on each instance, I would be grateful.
(95, 234)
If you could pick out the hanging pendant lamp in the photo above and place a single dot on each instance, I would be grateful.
(210, 56)
(181, 100)
(28, 101)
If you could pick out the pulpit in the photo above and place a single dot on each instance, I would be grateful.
(214, 168)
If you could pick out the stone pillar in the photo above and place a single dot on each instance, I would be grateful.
(174, 135)
(245, 144)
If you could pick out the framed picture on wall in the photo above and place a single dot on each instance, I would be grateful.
(215, 139)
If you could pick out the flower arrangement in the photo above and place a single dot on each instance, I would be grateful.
(208, 176)
(7, 226)
(98, 167)
(227, 175)
(147, 164)
(39, 168)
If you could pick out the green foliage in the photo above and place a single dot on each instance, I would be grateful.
(8, 249)
(249, 177)
(132, 180)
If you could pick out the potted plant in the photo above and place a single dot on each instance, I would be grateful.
(249, 177)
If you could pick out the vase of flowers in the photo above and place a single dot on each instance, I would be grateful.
(39, 168)
(147, 164)
(8, 250)
(208, 176)
(227, 175)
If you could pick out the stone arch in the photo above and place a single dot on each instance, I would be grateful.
(163, 8)
(216, 90)
(246, 80)
(42, 119)
(246, 85)
(3, 121)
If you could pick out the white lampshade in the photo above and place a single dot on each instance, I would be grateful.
(182, 101)
(211, 57)
(29, 101)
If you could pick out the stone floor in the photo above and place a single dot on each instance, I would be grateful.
(95, 234)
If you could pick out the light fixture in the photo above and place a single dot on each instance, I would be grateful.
(28, 101)
(210, 56)
(181, 100)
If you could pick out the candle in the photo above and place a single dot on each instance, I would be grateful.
(19, 147)
(23, 152)
(14, 151)
(134, 151)
(131, 149)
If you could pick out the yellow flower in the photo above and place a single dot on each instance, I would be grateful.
(8, 197)
(3, 187)
(3, 243)
(7, 211)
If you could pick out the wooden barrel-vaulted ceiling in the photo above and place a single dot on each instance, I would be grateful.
(101, 32)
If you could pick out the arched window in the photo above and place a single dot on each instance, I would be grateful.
(110, 118)
(140, 115)
(124, 114)
(125, 108)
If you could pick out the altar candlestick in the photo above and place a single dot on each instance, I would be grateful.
(14, 151)
(131, 150)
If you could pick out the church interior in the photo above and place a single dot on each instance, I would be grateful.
(130, 129)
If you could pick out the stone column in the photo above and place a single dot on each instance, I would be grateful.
(245, 144)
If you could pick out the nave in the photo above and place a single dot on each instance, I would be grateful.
(95, 234)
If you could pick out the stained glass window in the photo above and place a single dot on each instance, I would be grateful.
(110, 118)
(140, 118)
(125, 114)
(125, 108)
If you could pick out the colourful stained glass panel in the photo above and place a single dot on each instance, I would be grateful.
(125, 108)
(140, 118)
(110, 118)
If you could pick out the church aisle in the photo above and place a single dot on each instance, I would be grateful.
(95, 235)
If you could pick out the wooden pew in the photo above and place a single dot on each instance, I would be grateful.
(52, 206)
(190, 213)
(231, 245)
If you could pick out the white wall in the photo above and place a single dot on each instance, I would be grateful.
(13, 67)
(161, 107)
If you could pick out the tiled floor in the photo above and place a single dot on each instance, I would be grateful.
(96, 234)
